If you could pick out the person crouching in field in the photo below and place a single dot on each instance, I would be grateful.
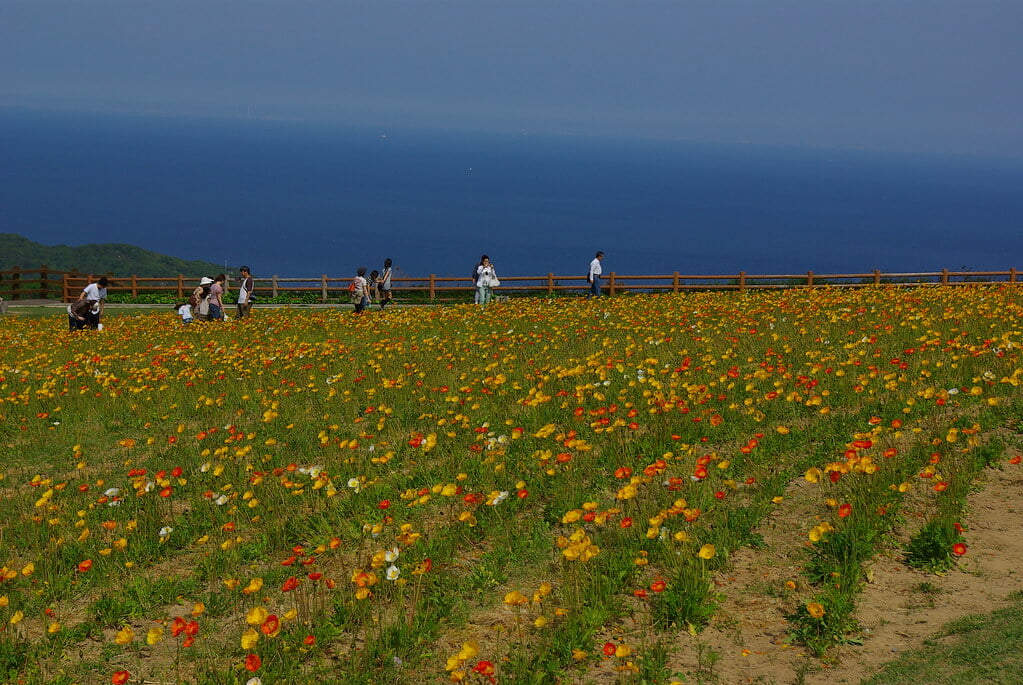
(184, 310)
(78, 314)
(97, 292)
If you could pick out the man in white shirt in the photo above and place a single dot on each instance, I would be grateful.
(98, 292)
(594, 275)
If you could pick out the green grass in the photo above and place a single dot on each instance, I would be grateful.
(983, 648)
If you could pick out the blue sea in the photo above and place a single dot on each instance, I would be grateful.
(303, 199)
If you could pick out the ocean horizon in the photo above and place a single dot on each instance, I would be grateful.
(299, 199)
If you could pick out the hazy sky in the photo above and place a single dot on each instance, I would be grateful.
(928, 75)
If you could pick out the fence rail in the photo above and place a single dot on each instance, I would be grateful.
(44, 282)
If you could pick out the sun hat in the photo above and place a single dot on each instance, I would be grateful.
(206, 280)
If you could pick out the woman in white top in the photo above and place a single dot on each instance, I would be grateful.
(486, 280)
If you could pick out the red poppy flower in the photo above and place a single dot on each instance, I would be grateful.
(384, 504)
(120, 677)
(309, 640)
(271, 625)
(658, 586)
(253, 662)
(84, 566)
(609, 649)
(485, 668)
(290, 584)
(959, 549)
(844, 510)
(178, 626)
(626, 522)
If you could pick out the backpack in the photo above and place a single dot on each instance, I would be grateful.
(193, 301)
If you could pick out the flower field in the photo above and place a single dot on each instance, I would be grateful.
(540, 491)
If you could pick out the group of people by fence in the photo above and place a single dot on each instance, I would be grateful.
(206, 303)
(374, 288)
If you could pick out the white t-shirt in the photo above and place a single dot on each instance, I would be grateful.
(185, 312)
(243, 290)
(485, 276)
(94, 292)
(595, 269)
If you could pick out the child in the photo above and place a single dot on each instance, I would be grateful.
(184, 310)
(374, 284)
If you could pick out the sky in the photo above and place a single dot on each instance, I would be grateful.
(932, 76)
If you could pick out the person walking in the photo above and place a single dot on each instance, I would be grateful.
(97, 292)
(486, 281)
(245, 287)
(217, 293)
(384, 283)
(593, 276)
(359, 290)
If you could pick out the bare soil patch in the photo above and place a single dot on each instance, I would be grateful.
(897, 610)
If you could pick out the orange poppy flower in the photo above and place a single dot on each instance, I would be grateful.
(253, 662)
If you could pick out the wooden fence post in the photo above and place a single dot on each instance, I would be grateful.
(877, 277)
(181, 286)
(674, 283)
(611, 284)
(15, 282)
(44, 282)
(65, 294)
(323, 288)
(273, 285)
(742, 281)
(433, 287)
(550, 284)
(1012, 275)
(944, 276)
(134, 285)
(809, 279)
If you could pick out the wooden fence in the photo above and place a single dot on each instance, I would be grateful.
(46, 283)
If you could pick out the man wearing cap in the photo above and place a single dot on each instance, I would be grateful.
(97, 292)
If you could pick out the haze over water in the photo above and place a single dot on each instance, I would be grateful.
(299, 199)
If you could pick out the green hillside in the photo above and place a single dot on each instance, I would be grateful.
(115, 258)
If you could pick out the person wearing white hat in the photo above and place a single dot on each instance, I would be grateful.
(200, 299)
